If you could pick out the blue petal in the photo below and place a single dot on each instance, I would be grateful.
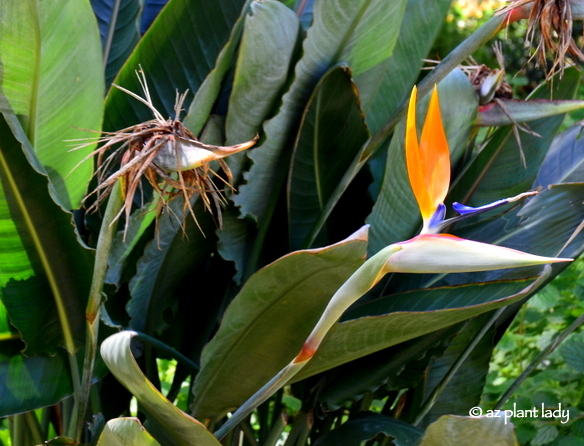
(464, 210)
(436, 221)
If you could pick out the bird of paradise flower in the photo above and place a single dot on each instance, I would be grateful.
(428, 166)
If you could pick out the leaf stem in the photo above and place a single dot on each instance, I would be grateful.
(104, 243)
(193, 368)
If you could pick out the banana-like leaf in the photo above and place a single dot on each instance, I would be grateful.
(52, 80)
(268, 41)
(452, 430)
(185, 40)
(118, 27)
(368, 425)
(45, 272)
(378, 324)
(332, 132)
(513, 111)
(274, 312)
(125, 432)
(396, 216)
(393, 81)
(184, 430)
(361, 33)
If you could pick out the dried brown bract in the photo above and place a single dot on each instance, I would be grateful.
(553, 18)
(167, 155)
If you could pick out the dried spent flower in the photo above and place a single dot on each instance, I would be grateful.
(167, 155)
(554, 20)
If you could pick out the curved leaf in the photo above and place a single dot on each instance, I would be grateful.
(274, 312)
(361, 33)
(181, 428)
(395, 216)
(118, 27)
(332, 132)
(52, 79)
(125, 432)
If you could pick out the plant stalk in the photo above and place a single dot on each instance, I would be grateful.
(102, 252)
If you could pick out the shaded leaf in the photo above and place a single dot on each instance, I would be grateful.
(53, 96)
(361, 33)
(331, 134)
(118, 27)
(184, 430)
(28, 383)
(564, 162)
(267, 322)
(366, 426)
(465, 388)
(167, 261)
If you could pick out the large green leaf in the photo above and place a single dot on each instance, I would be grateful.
(178, 52)
(419, 313)
(361, 33)
(266, 324)
(181, 428)
(263, 63)
(395, 216)
(390, 83)
(332, 132)
(125, 432)
(52, 80)
(45, 273)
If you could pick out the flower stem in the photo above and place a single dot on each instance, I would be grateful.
(104, 242)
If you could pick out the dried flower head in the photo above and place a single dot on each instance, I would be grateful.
(167, 155)
(553, 18)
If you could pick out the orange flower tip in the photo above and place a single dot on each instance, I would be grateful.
(305, 354)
